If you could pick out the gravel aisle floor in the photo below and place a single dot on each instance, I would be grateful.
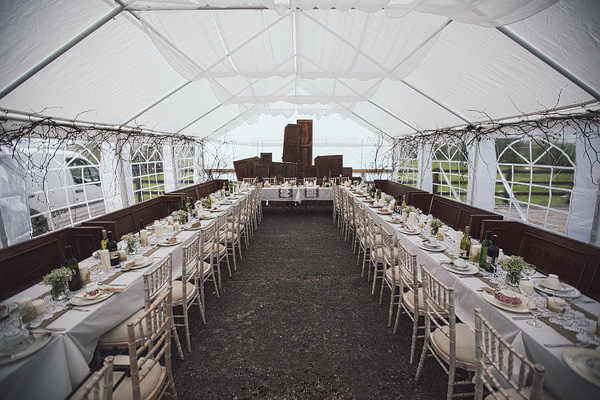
(297, 321)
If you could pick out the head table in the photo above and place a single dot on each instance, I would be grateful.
(59, 367)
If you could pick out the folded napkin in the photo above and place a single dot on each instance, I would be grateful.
(196, 224)
(112, 289)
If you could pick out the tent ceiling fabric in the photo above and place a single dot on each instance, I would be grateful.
(392, 66)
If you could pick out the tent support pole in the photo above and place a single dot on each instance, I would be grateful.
(393, 116)
(555, 65)
(456, 114)
(61, 50)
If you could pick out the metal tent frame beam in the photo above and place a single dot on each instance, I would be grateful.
(550, 62)
(61, 50)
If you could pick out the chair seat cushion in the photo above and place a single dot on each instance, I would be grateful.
(118, 334)
(178, 291)
(155, 377)
(409, 297)
(206, 267)
(218, 248)
(465, 343)
(389, 276)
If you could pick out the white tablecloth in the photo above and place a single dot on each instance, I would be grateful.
(56, 369)
(560, 380)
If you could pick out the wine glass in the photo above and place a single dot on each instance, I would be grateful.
(534, 321)
(528, 271)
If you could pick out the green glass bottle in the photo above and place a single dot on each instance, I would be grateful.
(465, 245)
(485, 245)
(73, 265)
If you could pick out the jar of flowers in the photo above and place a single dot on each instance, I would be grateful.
(130, 240)
(182, 216)
(514, 266)
(435, 225)
(58, 279)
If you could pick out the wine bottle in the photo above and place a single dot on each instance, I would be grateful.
(403, 201)
(113, 251)
(492, 255)
(208, 203)
(465, 245)
(484, 249)
(104, 241)
(73, 265)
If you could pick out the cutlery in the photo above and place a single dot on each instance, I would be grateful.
(528, 317)
(559, 344)
(489, 289)
(79, 309)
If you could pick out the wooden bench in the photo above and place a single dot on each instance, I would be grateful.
(24, 264)
(459, 215)
(575, 262)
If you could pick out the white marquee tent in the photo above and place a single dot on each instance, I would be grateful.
(239, 71)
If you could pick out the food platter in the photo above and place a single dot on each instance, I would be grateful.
(522, 308)
(82, 298)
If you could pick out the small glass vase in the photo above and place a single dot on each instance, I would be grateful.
(130, 249)
(60, 291)
(434, 231)
(513, 279)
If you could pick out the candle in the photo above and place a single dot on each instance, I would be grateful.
(475, 253)
(412, 218)
(26, 309)
(84, 273)
(143, 238)
(158, 231)
(104, 260)
(457, 238)
(170, 220)
(175, 226)
(39, 306)
(170, 229)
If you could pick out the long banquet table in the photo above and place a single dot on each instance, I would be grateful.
(59, 367)
(297, 194)
(560, 379)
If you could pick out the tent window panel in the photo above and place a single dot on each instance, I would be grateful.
(450, 172)
(147, 171)
(185, 165)
(535, 180)
(408, 166)
(62, 181)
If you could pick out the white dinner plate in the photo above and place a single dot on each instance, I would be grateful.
(440, 247)
(216, 210)
(568, 290)
(147, 261)
(470, 270)
(81, 298)
(165, 243)
(375, 205)
(38, 340)
(393, 221)
(192, 228)
(388, 212)
(522, 308)
(585, 362)
(402, 229)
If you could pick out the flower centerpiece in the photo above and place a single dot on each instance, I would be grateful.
(514, 266)
(130, 240)
(355, 183)
(182, 215)
(435, 225)
(58, 279)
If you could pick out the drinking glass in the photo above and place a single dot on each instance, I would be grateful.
(528, 271)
